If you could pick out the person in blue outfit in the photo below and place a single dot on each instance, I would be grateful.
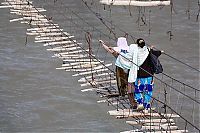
(144, 84)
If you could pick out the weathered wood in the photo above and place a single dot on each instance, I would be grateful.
(66, 49)
(16, 2)
(54, 39)
(73, 52)
(89, 69)
(173, 131)
(34, 23)
(30, 10)
(94, 83)
(80, 63)
(71, 57)
(22, 6)
(136, 2)
(59, 43)
(149, 123)
(160, 127)
(76, 60)
(96, 89)
(46, 30)
(100, 79)
(145, 121)
(9, 6)
(26, 9)
(16, 19)
(97, 79)
(86, 65)
(64, 46)
(85, 79)
(54, 34)
(129, 113)
(43, 28)
(90, 72)
(96, 76)
(85, 69)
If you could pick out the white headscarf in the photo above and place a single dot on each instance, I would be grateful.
(121, 44)
(139, 55)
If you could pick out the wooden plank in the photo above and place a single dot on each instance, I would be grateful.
(54, 34)
(89, 68)
(77, 64)
(98, 79)
(86, 90)
(90, 72)
(81, 63)
(135, 2)
(30, 18)
(74, 52)
(25, 14)
(129, 113)
(21, 6)
(84, 79)
(82, 60)
(151, 123)
(173, 131)
(16, 19)
(80, 68)
(71, 57)
(53, 39)
(16, 2)
(66, 49)
(95, 83)
(95, 89)
(7, 6)
(34, 23)
(28, 10)
(143, 121)
(43, 28)
(64, 46)
(59, 43)
(161, 127)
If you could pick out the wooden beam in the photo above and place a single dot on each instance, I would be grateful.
(90, 72)
(135, 2)
(84, 79)
(173, 131)
(129, 113)
(5, 6)
(100, 82)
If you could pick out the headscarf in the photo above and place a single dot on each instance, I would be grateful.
(139, 55)
(121, 44)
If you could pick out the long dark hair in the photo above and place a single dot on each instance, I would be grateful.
(140, 42)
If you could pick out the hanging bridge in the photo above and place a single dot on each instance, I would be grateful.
(169, 115)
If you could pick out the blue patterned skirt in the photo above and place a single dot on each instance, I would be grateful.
(143, 91)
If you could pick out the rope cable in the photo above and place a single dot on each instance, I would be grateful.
(103, 19)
